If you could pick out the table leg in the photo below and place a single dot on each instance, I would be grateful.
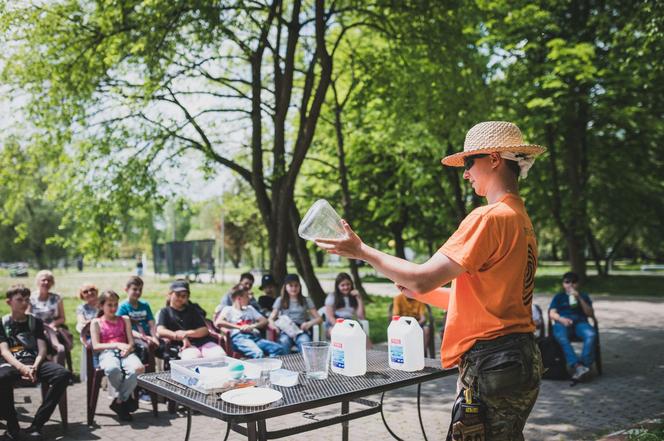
(186, 437)
(344, 426)
(251, 431)
(262, 431)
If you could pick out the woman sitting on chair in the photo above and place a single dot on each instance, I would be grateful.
(48, 307)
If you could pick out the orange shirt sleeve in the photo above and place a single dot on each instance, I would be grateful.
(439, 297)
(473, 243)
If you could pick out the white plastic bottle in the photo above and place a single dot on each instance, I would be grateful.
(348, 344)
(405, 341)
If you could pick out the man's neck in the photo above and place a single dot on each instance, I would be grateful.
(18, 316)
(133, 302)
(500, 188)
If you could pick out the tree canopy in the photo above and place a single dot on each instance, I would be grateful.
(352, 101)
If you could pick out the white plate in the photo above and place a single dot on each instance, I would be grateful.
(251, 396)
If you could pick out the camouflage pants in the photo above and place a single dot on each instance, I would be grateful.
(505, 375)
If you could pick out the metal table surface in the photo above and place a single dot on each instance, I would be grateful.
(306, 395)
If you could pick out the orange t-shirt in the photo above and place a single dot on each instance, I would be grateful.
(496, 246)
(403, 306)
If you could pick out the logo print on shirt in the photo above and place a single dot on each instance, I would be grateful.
(529, 277)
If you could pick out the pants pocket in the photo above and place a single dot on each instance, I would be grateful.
(503, 373)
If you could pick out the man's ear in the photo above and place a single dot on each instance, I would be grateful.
(496, 159)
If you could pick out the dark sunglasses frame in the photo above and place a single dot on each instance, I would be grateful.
(570, 281)
(469, 161)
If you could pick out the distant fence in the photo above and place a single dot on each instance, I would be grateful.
(190, 257)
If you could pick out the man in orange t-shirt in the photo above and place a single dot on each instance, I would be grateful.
(491, 260)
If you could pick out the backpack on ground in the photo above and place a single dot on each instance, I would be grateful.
(553, 359)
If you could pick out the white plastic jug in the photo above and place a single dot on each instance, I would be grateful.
(348, 344)
(405, 341)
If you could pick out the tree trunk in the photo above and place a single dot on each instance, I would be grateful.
(397, 235)
(459, 201)
(614, 248)
(320, 257)
(596, 255)
(577, 260)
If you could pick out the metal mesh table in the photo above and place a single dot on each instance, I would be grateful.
(307, 394)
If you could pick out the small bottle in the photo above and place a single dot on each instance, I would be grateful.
(572, 301)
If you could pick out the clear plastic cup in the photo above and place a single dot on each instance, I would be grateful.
(316, 359)
(321, 222)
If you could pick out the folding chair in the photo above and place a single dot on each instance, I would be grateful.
(574, 338)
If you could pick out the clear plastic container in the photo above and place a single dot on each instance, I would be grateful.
(284, 377)
(186, 372)
(321, 222)
(265, 364)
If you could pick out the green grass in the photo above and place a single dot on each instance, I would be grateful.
(647, 434)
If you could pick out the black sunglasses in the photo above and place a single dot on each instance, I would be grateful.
(469, 161)
(570, 281)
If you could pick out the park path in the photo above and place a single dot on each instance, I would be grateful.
(632, 333)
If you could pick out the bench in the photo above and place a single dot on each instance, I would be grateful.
(652, 267)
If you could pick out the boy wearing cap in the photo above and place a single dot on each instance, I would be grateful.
(491, 261)
(183, 324)
(269, 288)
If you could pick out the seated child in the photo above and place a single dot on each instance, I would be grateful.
(23, 346)
(143, 327)
(407, 307)
(245, 322)
(299, 309)
(185, 326)
(111, 335)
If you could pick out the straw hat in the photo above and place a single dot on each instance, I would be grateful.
(493, 136)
